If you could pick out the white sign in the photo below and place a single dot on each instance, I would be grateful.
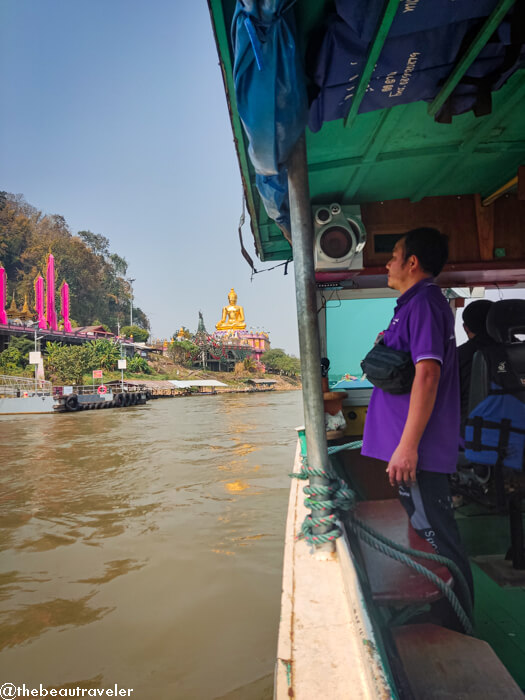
(122, 364)
(34, 358)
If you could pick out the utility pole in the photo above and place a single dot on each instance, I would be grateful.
(131, 301)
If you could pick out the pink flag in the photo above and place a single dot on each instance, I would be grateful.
(64, 298)
(3, 295)
(39, 302)
(51, 313)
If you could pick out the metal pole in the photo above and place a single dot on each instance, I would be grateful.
(130, 281)
(36, 367)
(303, 258)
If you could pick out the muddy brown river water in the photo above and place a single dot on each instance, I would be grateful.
(143, 547)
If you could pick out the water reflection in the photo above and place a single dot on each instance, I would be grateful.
(144, 547)
(31, 621)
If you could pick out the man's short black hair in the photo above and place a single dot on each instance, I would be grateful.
(475, 316)
(430, 247)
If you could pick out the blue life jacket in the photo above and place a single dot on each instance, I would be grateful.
(495, 428)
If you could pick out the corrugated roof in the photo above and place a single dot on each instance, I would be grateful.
(197, 382)
(261, 381)
(147, 383)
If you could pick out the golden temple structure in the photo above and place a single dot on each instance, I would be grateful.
(25, 314)
(232, 315)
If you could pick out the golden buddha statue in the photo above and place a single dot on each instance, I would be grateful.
(232, 315)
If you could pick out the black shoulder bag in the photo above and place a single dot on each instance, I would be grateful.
(388, 369)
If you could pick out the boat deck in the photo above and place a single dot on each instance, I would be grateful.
(499, 607)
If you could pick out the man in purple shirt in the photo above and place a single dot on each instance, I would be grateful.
(417, 433)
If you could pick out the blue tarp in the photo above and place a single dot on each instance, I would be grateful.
(271, 95)
(426, 40)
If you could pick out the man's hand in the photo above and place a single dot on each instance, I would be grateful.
(402, 466)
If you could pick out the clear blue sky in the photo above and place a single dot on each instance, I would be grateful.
(114, 116)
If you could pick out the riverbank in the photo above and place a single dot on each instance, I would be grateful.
(162, 368)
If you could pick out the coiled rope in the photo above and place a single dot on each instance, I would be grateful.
(336, 496)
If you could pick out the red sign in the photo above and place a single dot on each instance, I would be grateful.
(97, 374)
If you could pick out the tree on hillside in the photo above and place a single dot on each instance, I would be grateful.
(140, 335)
(96, 277)
(183, 352)
(96, 242)
(140, 319)
(277, 361)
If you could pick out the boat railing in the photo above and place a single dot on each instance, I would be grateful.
(15, 387)
(80, 390)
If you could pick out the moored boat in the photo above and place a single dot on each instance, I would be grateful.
(20, 395)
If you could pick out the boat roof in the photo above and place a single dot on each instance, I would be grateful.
(392, 153)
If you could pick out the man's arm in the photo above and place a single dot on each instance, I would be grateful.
(403, 463)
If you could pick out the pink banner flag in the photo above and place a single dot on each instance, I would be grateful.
(3, 295)
(39, 302)
(64, 298)
(51, 313)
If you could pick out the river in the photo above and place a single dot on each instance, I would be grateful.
(143, 547)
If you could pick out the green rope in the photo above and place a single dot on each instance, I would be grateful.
(335, 496)
(451, 565)
(333, 449)
(389, 551)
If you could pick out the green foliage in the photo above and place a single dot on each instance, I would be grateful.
(278, 361)
(96, 277)
(102, 354)
(138, 364)
(10, 359)
(183, 352)
(140, 319)
(24, 345)
(16, 355)
(140, 335)
(66, 363)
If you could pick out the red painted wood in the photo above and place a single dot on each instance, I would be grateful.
(502, 274)
(393, 583)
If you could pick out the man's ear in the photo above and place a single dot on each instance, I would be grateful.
(413, 262)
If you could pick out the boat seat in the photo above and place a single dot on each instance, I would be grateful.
(440, 663)
(391, 582)
(495, 427)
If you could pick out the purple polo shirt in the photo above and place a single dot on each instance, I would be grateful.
(423, 325)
